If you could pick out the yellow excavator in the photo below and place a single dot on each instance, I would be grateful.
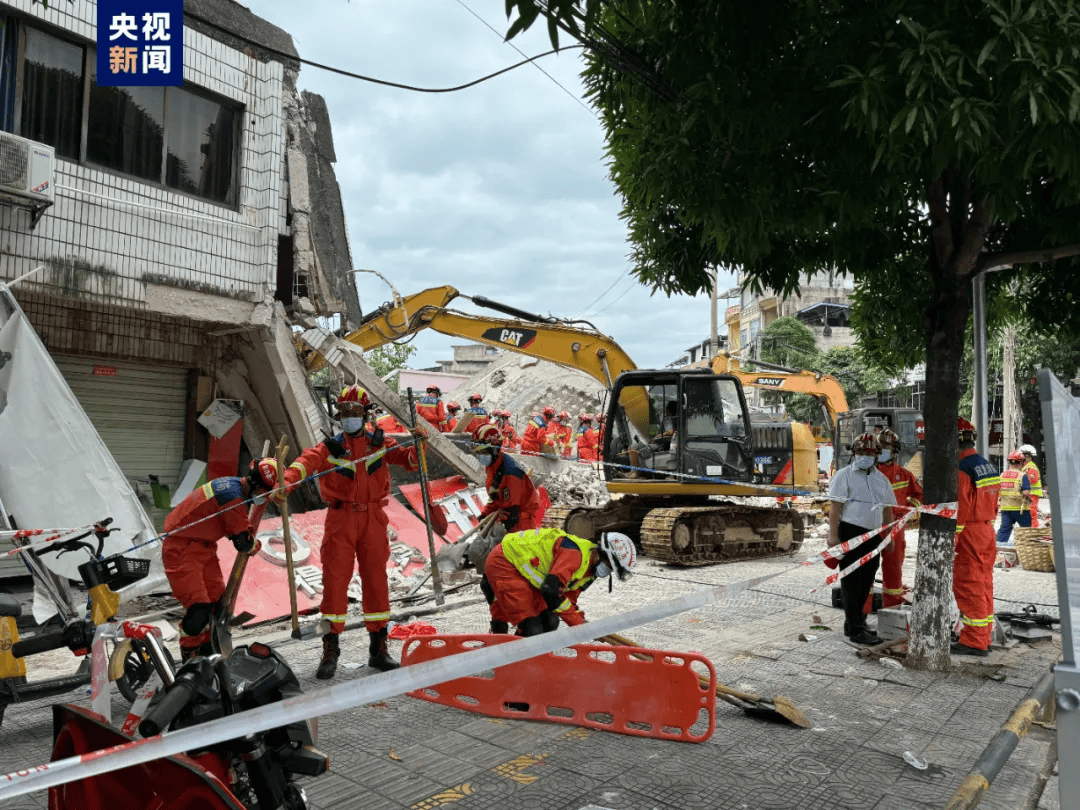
(676, 439)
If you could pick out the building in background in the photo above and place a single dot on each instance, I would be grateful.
(469, 359)
(189, 229)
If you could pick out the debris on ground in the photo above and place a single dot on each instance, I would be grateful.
(577, 485)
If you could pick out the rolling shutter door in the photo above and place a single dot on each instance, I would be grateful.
(139, 412)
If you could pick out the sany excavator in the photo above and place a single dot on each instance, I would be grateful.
(675, 440)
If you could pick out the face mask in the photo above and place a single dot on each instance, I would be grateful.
(602, 570)
(352, 424)
(885, 457)
(864, 462)
(484, 459)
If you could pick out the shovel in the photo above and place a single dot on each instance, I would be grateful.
(286, 535)
(779, 709)
(451, 554)
(223, 619)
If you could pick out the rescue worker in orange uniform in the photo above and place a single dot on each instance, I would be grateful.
(356, 491)
(1035, 478)
(534, 578)
(561, 435)
(190, 555)
(511, 492)
(432, 408)
(601, 429)
(973, 567)
(586, 439)
(506, 430)
(479, 415)
(908, 492)
(535, 436)
(1014, 498)
(388, 423)
(452, 409)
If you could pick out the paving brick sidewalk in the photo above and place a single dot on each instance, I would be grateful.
(407, 753)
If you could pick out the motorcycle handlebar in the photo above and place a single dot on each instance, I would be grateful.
(43, 642)
(180, 694)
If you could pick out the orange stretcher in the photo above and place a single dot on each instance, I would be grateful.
(591, 685)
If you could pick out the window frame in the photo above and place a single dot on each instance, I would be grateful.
(89, 61)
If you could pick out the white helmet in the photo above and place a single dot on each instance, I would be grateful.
(1027, 449)
(619, 553)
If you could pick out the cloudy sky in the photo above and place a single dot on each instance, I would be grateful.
(500, 190)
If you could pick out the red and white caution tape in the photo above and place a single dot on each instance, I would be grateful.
(348, 695)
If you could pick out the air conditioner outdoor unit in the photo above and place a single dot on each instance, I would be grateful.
(27, 171)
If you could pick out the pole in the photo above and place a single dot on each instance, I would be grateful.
(1011, 411)
(286, 535)
(978, 405)
(714, 334)
(436, 577)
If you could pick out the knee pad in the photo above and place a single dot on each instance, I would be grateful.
(197, 618)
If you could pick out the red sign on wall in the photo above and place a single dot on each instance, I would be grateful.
(104, 371)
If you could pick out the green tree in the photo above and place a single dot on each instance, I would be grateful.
(911, 143)
(856, 375)
(790, 343)
(388, 358)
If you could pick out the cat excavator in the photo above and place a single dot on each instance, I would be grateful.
(676, 439)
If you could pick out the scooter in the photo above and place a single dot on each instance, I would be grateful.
(130, 663)
(256, 772)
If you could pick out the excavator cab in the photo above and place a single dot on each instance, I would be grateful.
(678, 427)
(907, 423)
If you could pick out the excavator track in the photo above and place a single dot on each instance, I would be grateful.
(718, 534)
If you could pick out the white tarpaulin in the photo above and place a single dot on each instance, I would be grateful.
(55, 470)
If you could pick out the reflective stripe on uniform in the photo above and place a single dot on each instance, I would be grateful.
(978, 622)
(377, 617)
(989, 481)
(893, 591)
(959, 527)
(296, 465)
(335, 617)
(900, 485)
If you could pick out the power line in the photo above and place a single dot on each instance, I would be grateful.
(601, 295)
(290, 57)
(516, 48)
(624, 292)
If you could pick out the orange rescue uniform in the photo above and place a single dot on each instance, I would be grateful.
(357, 491)
(561, 436)
(908, 492)
(433, 409)
(587, 443)
(512, 493)
(535, 434)
(1035, 479)
(976, 549)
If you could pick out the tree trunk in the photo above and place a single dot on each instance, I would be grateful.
(956, 242)
(1010, 432)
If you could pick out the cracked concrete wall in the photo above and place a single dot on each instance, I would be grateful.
(321, 251)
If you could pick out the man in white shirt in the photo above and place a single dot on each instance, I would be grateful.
(860, 495)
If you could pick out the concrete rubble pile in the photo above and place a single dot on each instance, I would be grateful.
(524, 385)
(576, 485)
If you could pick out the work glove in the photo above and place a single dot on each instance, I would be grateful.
(277, 496)
(242, 542)
(509, 517)
(551, 590)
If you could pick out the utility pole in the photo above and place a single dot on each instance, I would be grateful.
(1010, 433)
(714, 334)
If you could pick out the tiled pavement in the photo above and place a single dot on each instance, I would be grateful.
(407, 754)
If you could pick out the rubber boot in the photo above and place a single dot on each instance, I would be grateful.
(379, 654)
(331, 651)
(499, 627)
(532, 626)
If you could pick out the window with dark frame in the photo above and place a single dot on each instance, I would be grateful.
(52, 92)
(179, 137)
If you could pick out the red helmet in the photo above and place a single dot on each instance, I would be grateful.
(475, 397)
(486, 437)
(586, 417)
(866, 444)
(965, 431)
(354, 393)
(549, 412)
(263, 473)
(601, 418)
(1016, 455)
(452, 406)
(434, 389)
(564, 415)
(889, 439)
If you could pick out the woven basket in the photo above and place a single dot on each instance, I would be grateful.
(1035, 554)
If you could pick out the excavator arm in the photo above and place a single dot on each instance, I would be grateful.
(583, 349)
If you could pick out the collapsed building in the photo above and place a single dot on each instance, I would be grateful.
(182, 231)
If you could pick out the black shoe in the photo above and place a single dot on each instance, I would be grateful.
(964, 649)
(499, 627)
(331, 651)
(867, 638)
(379, 654)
